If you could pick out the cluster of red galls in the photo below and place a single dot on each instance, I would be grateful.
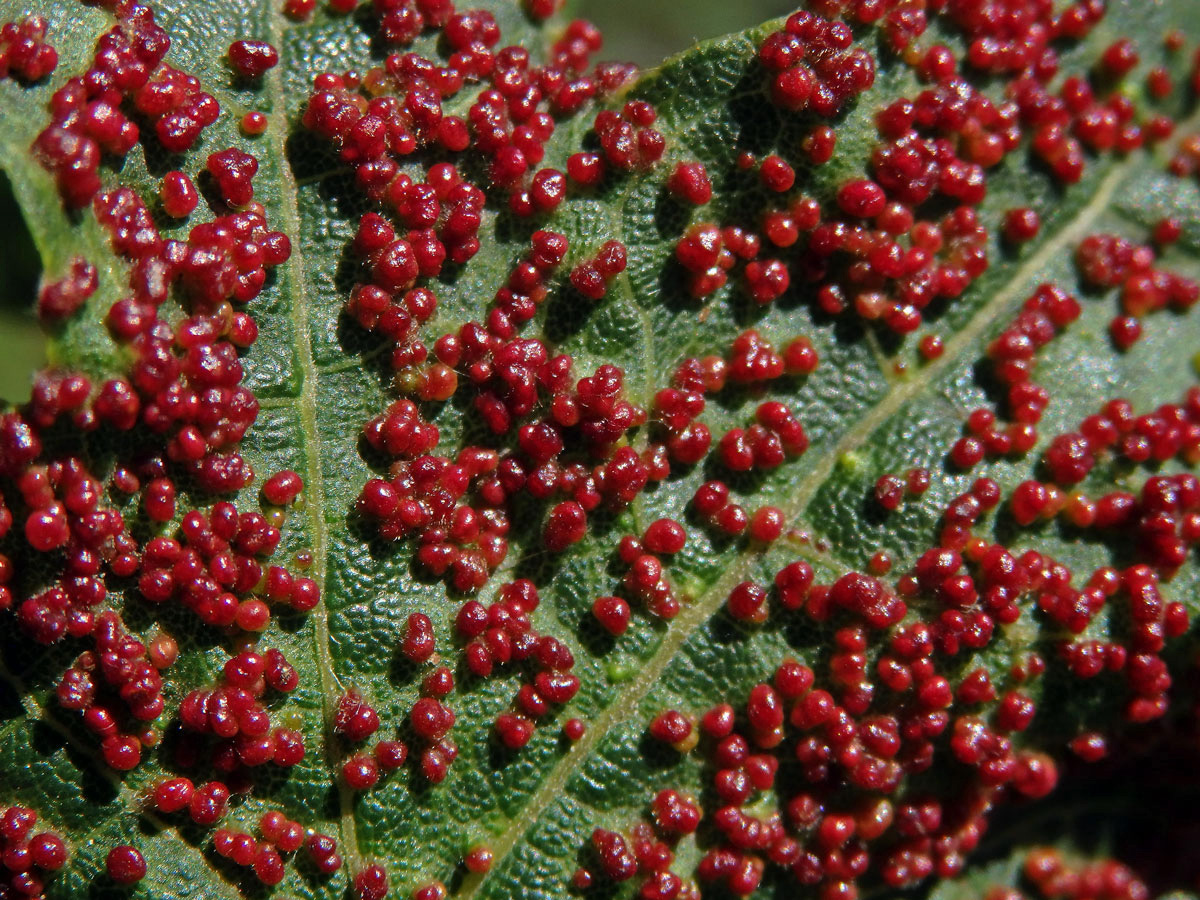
(1055, 878)
(425, 496)
(871, 732)
(87, 119)
(217, 560)
(869, 269)
(500, 637)
(1045, 314)
(120, 672)
(645, 853)
(280, 836)
(497, 636)
(60, 504)
(233, 715)
(1110, 261)
(207, 803)
(815, 64)
(939, 144)
(24, 52)
(400, 111)
(356, 720)
(821, 837)
(59, 299)
(27, 860)
(185, 381)
(182, 385)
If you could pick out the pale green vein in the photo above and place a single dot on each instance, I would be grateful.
(278, 403)
(626, 703)
(307, 405)
(887, 366)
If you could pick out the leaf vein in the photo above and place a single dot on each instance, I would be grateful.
(314, 485)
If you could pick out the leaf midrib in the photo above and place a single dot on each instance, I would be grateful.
(306, 407)
(626, 701)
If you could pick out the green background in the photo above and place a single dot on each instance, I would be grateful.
(644, 31)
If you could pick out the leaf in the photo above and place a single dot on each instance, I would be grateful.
(873, 405)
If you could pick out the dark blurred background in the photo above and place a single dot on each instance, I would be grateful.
(21, 346)
(641, 31)
(648, 31)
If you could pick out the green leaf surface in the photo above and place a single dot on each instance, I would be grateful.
(872, 406)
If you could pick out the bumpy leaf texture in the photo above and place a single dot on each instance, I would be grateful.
(489, 473)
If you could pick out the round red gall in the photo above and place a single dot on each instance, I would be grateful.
(792, 88)
(767, 524)
(1021, 225)
(889, 491)
(566, 525)
(1167, 231)
(252, 615)
(612, 613)
(586, 169)
(179, 196)
(776, 174)
(282, 488)
(125, 864)
(1119, 57)
(48, 851)
(664, 536)
(863, 199)
(371, 883)
(1125, 331)
(747, 602)
(479, 860)
(690, 183)
(253, 123)
(931, 347)
(251, 59)
(513, 731)
(671, 727)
